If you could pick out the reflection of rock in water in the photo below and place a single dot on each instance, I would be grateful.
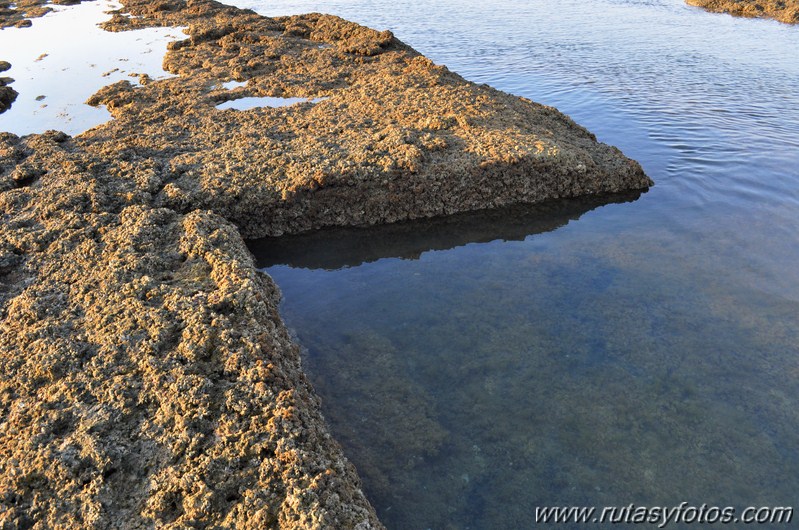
(559, 377)
(346, 247)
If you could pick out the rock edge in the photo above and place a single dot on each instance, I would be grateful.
(786, 11)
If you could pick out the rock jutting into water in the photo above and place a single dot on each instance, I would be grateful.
(783, 10)
(146, 378)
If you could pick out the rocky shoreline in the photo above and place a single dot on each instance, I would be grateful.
(786, 11)
(146, 378)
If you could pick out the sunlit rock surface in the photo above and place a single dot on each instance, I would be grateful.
(146, 378)
(783, 10)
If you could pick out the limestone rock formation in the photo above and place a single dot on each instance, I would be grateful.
(783, 10)
(146, 378)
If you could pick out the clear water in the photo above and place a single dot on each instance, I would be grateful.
(601, 352)
(639, 352)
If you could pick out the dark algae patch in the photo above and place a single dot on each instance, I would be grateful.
(146, 377)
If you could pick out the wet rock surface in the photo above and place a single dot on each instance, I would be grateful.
(146, 378)
(7, 94)
(783, 10)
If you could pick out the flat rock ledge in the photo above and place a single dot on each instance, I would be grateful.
(146, 378)
(783, 10)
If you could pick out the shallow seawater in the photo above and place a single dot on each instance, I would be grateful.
(474, 383)
(600, 353)
(64, 58)
(606, 351)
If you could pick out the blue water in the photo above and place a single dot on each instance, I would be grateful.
(633, 350)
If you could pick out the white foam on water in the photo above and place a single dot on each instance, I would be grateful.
(65, 57)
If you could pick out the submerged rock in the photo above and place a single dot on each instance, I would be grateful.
(783, 10)
(146, 379)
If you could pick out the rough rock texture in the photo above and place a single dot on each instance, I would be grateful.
(146, 379)
(783, 10)
(397, 137)
(145, 376)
